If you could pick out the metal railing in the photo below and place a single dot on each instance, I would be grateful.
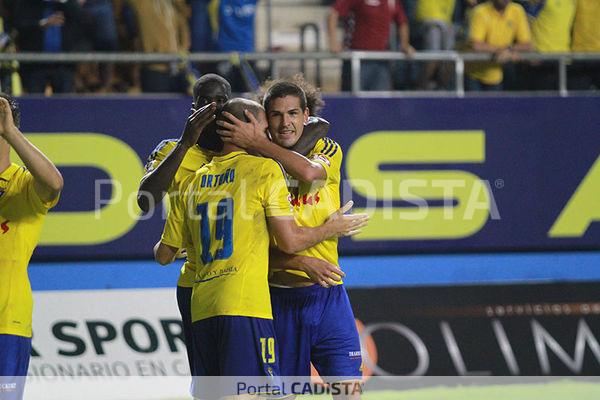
(458, 58)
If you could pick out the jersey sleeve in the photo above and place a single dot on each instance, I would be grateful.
(276, 197)
(328, 153)
(477, 30)
(158, 155)
(400, 15)
(33, 199)
(174, 232)
(523, 34)
(343, 7)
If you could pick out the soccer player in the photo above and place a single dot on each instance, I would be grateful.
(174, 159)
(26, 195)
(313, 323)
(223, 217)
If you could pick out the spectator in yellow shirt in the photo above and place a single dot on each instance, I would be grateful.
(498, 27)
(551, 22)
(585, 75)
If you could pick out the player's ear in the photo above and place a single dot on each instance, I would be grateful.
(306, 114)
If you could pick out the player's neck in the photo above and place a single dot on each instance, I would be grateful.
(230, 148)
(4, 155)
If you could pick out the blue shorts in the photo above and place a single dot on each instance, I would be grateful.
(315, 324)
(184, 300)
(234, 346)
(15, 352)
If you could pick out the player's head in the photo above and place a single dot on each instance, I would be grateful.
(16, 115)
(314, 101)
(14, 108)
(500, 4)
(237, 105)
(285, 105)
(207, 89)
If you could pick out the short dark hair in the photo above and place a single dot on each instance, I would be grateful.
(207, 79)
(237, 105)
(14, 108)
(282, 89)
(314, 101)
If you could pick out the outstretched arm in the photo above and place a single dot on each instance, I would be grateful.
(249, 136)
(48, 181)
(155, 185)
(292, 238)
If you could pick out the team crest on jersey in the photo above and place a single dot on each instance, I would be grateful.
(150, 165)
(321, 157)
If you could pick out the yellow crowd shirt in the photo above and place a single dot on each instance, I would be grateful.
(195, 158)
(586, 33)
(435, 9)
(551, 28)
(221, 219)
(314, 203)
(22, 215)
(500, 30)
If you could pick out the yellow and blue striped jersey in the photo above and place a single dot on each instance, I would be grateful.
(195, 158)
(221, 219)
(314, 203)
(22, 215)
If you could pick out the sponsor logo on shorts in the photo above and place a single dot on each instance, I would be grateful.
(8, 387)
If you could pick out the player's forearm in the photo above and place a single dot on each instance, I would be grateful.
(279, 259)
(154, 186)
(524, 46)
(295, 164)
(483, 47)
(304, 238)
(316, 128)
(48, 180)
(404, 35)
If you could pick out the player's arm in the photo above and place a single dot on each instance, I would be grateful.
(292, 238)
(332, 23)
(154, 186)
(47, 180)
(248, 135)
(316, 128)
(164, 254)
(318, 270)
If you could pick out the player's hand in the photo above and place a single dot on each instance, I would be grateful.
(196, 123)
(503, 56)
(55, 19)
(7, 125)
(321, 271)
(247, 135)
(181, 253)
(348, 224)
(407, 49)
(336, 47)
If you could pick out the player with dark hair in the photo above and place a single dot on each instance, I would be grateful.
(174, 159)
(26, 195)
(223, 216)
(314, 323)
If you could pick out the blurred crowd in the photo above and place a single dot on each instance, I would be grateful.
(502, 28)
